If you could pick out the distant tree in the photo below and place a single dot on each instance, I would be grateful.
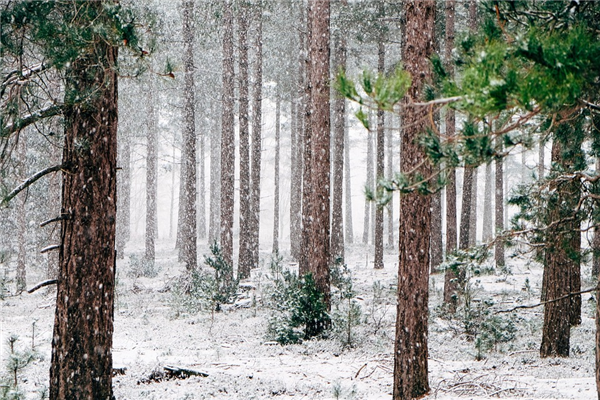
(275, 249)
(151, 178)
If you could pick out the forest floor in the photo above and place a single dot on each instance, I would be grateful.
(153, 330)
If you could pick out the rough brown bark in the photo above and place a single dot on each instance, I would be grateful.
(410, 352)
(151, 175)
(21, 219)
(318, 68)
(245, 252)
(556, 330)
(81, 363)
(339, 128)
(188, 153)
(379, 165)
(256, 137)
(227, 137)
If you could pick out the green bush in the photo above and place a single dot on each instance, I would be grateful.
(301, 310)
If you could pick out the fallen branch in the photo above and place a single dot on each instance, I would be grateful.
(40, 285)
(182, 373)
(28, 182)
(360, 369)
(547, 301)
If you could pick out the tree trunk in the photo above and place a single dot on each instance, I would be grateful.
(227, 138)
(487, 233)
(558, 265)
(188, 152)
(596, 241)
(390, 174)
(349, 236)
(81, 364)
(295, 181)
(450, 277)
(215, 180)
(21, 211)
(369, 185)
(151, 175)
(339, 128)
(202, 185)
(172, 202)
(307, 166)
(245, 252)
(276, 174)
(499, 212)
(256, 139)
(473, 210)
(541, 164)
(465, 214)
(318, 68)
(379, 173)
(410, 353)
(124, 198)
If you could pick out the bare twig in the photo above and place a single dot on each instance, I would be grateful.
(40, 285)
(50, 248)
(55, 219)
(28, 182)
(548, 301)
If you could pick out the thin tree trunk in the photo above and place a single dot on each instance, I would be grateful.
(172, 202)
(81, 361)
(596, 242)
(499, 212)
(542, 162)
(124, 199)
(487, 233)
(369, 184)
(245, 252)
(465, 214)
(349, 236)
(410, 352)
(188, 153)
(390, 173)
(256, 139)
(320, 124)
(151, 175)
(276, 173)
(21, 211)
(227, 138)
(379, 173)
(295, 181)
(339, 106)
(202, 185)
(215, 180)
(451, 286)
(473, 209)
(307, 166)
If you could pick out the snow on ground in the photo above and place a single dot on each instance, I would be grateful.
(232, 348)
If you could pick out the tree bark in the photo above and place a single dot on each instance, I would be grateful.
(151, 175)
(188, 152)
(318, 68)
(390, 174)
(349, 236)
(499, 212)
(215, 180)
(473, 210)
(276, 174)
(465, 213)
(245, 252)
(339, 128)
(379, 172)
(21, 211)
(307, 166)
(124, 189)
(202, 185)
(369, 184)
(227, 138)
(410, 353)
(256, 138)
(487, 233)
(81, 362)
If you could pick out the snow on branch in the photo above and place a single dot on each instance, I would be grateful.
(28, 182)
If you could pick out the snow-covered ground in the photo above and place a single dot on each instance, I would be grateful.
(232, 348)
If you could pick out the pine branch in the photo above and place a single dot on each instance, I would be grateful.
(19, 76)
(568, 295)
(49, 111)
(28, 182)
